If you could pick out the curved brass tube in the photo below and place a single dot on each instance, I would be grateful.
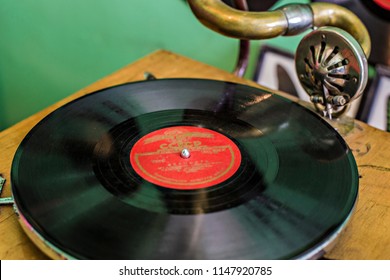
(327, 14)
(238, 24)
(264, 25)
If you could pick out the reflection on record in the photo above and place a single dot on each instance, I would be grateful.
(103, 177)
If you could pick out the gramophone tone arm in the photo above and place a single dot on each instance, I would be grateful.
(287, 20)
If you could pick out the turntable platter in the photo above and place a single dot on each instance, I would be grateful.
(290, 185)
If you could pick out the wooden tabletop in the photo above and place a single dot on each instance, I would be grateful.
(366, 236)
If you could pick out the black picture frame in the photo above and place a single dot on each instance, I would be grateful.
(375, 110)
(275, 69)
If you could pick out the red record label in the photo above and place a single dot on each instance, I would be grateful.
(185, 157)
(385, 4)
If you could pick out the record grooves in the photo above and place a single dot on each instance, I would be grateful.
(114, 172)
(76, 182)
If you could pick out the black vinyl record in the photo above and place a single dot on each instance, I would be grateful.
(279, 184)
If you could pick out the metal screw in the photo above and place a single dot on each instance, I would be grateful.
(185, 153)
(317, 99)
(339, 100)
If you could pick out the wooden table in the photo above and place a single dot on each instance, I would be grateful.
(367, 235)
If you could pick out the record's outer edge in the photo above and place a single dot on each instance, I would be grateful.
(53, 251)
(46, 247)
(328, 243)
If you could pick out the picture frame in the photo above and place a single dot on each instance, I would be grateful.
(275, 69)
(375, 110)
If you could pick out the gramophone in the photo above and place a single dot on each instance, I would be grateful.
(202, 169)
(331, 61)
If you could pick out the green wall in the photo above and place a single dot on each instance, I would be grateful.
(52, 48)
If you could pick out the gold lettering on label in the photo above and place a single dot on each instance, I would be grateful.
(181, 145)
(163, 146)
(158, 160)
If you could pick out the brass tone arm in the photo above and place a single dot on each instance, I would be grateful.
(287, 20)
(327, 14)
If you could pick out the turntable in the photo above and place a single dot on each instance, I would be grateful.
(196, 164)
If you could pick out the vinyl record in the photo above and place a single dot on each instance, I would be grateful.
(183, 169)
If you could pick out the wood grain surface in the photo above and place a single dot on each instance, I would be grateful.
(366, 236)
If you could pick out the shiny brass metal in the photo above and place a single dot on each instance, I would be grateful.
(327, 14)
(263, 25)
(332, 68)
(239, 24)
